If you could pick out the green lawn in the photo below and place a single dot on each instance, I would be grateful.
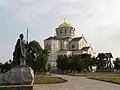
(108, 77)
(45, 79)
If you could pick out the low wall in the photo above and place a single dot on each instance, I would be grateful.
(17, 87)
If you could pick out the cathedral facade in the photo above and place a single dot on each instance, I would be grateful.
(65, 43)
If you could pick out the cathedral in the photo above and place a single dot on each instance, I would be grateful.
(65, 43)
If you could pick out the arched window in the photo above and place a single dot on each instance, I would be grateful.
(70, 31)
(65, 31)
(60, 31)
(73, 46)
(73, 32)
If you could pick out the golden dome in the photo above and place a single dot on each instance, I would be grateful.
(65, 24)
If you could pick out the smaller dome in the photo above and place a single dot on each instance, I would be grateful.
(65, 24)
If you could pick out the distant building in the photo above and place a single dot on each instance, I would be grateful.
(65, 43)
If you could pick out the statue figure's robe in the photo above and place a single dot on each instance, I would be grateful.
(19, 53)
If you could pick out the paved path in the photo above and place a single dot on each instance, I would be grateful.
(78, 83)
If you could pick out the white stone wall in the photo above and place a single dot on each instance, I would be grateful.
(65, 32)
(77, 52)
(82, 43)
(54, 48)
(64, 44)
(65, 53)
(76, 43)
(90, 51)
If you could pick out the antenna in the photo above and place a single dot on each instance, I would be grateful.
(27, 48)
(27, 36)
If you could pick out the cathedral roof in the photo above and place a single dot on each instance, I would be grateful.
(65, 24)
(54, 38)
(76, 39)
(85, 48)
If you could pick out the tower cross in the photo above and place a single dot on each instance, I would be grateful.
(65, 20)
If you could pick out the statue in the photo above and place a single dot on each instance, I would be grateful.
(20, 74)
(19, 55)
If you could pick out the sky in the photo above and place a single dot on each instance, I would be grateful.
(97, 20)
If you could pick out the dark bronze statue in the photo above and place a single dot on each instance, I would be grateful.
(19, 54)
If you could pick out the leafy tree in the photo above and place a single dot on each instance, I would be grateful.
(94, 61)
(117, 63)
(101, 61)
(74, 62)
(62, 62)
(108, 61)
(86, 59)
(43, 57)
(104, 61)
(78, 63)
(36, 56)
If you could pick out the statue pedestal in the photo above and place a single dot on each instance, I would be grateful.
(19, 75)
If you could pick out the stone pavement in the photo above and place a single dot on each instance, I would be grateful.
(78, 83)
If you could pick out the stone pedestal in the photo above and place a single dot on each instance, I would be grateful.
(19, 75)
(17, 87)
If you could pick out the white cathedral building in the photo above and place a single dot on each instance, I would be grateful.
(65, 43)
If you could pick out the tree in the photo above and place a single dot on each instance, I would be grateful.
(117, 63)
(74, 62)
(108, 57)
(62, 62)
(104, 61)
(101, 61)
(87, 61)
(94, 61)
(43, 58)
(36, 56)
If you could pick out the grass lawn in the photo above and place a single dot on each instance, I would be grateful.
(108, 77)
(45, 79)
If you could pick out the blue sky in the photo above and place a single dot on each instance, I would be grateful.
(97, 20)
